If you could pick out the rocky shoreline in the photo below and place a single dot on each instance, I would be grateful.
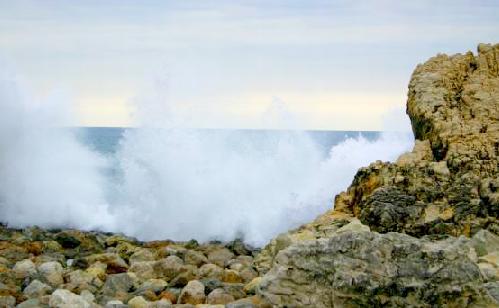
(420, 232)
(71, 268)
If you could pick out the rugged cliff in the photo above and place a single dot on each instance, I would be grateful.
(421, 231)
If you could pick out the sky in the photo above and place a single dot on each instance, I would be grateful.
(333, 65)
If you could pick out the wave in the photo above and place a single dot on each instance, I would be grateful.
(175, 183)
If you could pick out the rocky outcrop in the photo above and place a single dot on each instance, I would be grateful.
(449, 183)
(402, 233)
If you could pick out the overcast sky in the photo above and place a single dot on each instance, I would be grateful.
(333, 64)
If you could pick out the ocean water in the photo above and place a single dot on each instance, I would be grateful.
(182, 184)
(106, 140)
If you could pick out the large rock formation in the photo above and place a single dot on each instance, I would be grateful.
(422, 209)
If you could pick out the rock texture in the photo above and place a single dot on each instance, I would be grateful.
(70, 268)
(422, 210)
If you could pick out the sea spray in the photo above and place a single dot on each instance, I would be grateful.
(183, 183)
(47, 178)
(171, 182)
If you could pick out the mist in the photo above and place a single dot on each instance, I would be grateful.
(173, 182)
(47, 178)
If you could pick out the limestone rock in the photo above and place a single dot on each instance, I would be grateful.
(410, 247)
(372, 269)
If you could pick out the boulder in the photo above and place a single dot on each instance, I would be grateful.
(24, 268)
(64, 299)
(220, 256)
(195, 258)
(192, 293)
(219, 296)
(36, 289)
(52, 273)
(169, 267)
(372, 269)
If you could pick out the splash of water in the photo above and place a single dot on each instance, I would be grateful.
(176, 183)
(46, 177)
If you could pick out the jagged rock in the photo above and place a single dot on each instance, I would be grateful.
(192, 293)
(447, 186)
(449, 183)
(372, 269)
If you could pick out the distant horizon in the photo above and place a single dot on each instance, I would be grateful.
(336, 65)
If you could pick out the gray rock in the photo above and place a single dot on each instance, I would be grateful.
(52, 273)
(64, 299)
(31, 303)
(36, 289)
(368, 269)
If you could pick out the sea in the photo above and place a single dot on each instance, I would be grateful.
(106, 140)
